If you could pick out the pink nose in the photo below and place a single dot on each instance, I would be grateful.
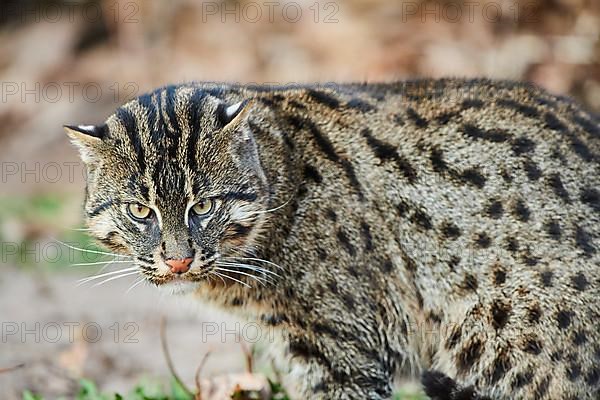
(179, 266)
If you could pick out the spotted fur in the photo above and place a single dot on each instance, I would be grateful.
(445, 227)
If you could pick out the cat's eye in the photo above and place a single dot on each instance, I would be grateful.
(203, 207)
(139, 211)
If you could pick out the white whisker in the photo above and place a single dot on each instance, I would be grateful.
(105, 266)
(98, 276)
(115, 277)
(107, 262)
(255, 259)
(233, 279)
(135, 284)
(248, 266)
(222, 280)
(256, 278)
(89, 251)
(209, 277)
(76, 229)
(272, 209)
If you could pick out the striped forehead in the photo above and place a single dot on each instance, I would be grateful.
(163, 129)
(166, 119)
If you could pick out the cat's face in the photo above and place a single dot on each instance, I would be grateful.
(175, 181)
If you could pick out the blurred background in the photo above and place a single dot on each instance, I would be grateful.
(73, 62)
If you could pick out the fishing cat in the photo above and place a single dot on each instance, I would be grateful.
(447, 229)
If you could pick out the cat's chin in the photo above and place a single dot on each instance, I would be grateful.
(179, 287)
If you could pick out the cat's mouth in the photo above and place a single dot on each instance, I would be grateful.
(162, 277)
(215, 272)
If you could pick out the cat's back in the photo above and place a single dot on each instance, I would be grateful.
(479, 172)
(493, 174)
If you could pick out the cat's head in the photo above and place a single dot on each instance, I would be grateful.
(174, 180)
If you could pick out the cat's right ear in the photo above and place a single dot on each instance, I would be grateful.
(87, 138)
(231, 116)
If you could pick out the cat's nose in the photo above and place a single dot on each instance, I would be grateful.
(179, 265)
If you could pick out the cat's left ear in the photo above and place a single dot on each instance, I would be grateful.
(87, 138)
(239, 135)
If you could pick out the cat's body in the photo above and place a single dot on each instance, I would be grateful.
(448, 226)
